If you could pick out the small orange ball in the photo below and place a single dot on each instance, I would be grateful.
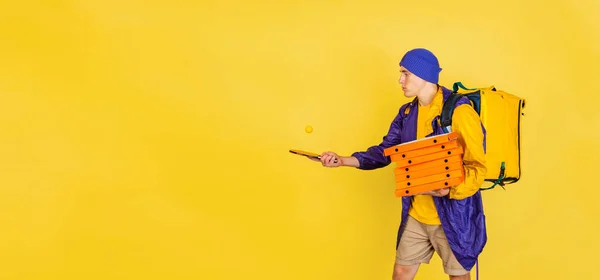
(308, 129)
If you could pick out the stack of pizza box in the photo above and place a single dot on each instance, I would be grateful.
(427, 164)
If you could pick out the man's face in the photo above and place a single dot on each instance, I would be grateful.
(411, 84)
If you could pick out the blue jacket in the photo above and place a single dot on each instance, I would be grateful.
(463, 220)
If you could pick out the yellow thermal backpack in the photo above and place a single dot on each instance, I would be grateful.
(501, 115)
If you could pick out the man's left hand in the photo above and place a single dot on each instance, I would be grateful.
(438, 193)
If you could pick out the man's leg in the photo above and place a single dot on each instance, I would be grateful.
(414, 249)
(405, 272)
(451, 265)
(461, 277)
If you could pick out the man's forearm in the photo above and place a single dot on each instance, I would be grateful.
(350, 161)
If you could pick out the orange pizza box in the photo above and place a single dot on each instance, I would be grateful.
(402, 175)
(400, 192)
(425, 151)
(430, 157)
(429, 164)
(402, 182)
(421, 143)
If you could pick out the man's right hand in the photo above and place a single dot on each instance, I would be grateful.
(331, 159)
(328, 159)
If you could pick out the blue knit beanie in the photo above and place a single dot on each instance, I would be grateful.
(422, 63)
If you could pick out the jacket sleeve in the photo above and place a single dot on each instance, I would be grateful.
(373, 157)
(467, 124)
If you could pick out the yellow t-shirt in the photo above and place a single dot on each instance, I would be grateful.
(423, 208)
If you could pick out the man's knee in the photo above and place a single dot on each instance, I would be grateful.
(461, 277)
(405, 272)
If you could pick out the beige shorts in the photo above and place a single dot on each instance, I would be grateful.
(418, 243)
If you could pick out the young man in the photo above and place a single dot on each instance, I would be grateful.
(449, 221)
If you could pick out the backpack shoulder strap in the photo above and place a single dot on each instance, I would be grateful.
(448, 109)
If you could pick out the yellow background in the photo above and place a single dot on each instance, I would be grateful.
(149, 139)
